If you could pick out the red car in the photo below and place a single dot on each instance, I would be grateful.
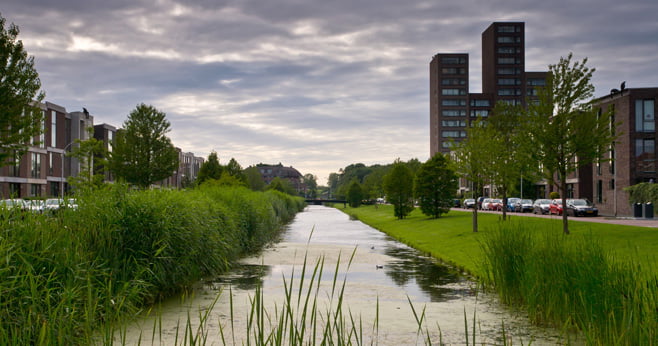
(555, 207)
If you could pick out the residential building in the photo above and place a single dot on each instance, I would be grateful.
(106, 134)
(632, 159)
(290, 174)
(453, 105)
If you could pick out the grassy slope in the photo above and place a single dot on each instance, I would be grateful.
(451, 239)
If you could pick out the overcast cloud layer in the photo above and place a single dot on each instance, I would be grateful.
(313, 84)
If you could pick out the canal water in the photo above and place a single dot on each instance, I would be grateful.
(388, 286)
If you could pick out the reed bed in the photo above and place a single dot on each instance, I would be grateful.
(68, 279)
(572, 283)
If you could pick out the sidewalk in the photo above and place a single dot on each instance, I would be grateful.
(629, 221)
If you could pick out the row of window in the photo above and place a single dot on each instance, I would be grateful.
(453, 123)
(508, 28)
(509, 61)
(453, 81)
(452, 60)
(509, 39)
(453, 70)
(508, 70)
(452, 92)
(462, 103)
(453, 134)
(462, 113)
(508, 50)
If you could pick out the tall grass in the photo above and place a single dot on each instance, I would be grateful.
(571, 282)
(65, 278)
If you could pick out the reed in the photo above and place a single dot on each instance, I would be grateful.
(572, 283)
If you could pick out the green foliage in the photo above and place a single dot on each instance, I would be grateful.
(92, 155)
(311, 184)
(282, 185)
(354, 194)
(554, 195)
(643, 193)
(567, 132)
(398, 185)
(142, 153)
(234, 169)
(210, 169)
(558, 279)
(254, 178)
(20, 116)
(435, 186)
(67, 279)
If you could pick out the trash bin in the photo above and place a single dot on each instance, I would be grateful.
(637, 210)
(648, 210)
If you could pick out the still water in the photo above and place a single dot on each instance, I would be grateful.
(385, 281)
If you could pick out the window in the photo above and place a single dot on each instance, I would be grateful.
(536, 81)
(453, 60)
(508, 50)
(453, 70)
(110, 140)
(599, 191)
(512, 102)
(42, 136)
(482, 113)
(480, 103)
(509, 81)
(453, 134)
(35, 190)
(453, 112)
(509, 28)
(508, 61)
(50, 164)
(453, 81)
(15, 167)
(15, 190)
(54, 188)
(36, 166)
(453, 102)
(612, 184)
(453, 123)
(53, 129)
(453, 92)
(532, 92)
(644, 116)
(509, 39)
(446, 144)
(645, 154)
(509, 70)
(509, 92)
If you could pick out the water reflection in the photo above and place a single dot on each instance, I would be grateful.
(245, 276)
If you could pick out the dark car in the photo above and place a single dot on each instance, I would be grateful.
(523, 205)
(581, 207)
(511, 201)
(541, 206)
(479, 202)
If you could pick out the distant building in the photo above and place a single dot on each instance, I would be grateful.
(269, 172)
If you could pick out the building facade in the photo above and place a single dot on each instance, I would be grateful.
(453, 106)
(632, 159)
(290, 174)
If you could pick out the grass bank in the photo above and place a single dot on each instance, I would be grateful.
(601, 280)
(450, 238)
(66, 280)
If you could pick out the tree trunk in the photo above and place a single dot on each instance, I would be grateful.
(565, 222)
(475, 217)
(504, 204)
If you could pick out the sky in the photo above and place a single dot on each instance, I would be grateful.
(317, 85)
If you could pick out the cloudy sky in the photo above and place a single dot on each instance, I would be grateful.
(313, 84)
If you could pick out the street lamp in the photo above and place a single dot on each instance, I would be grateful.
(61, 182)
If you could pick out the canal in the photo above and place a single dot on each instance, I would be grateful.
(388, 286)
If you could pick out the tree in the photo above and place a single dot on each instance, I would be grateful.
(282, 185)
(567, 132)
(92, 155)
(20, 116)
(210, 169)
(254, 178)
(142, 153)
(398, 185)
(435, 186)
(354, 194)
(234, 169)
(311, 183)
(471, 160)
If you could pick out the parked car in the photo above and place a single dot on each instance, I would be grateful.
(456, 203)
(479, 202)
(555, 207)
(523, 205)
(485, 204)
(496, 204)
(33, 205)
(468, 203)
(541, 206)
(511, 202)
(581, 207)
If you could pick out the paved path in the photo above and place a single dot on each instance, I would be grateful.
(653, 223)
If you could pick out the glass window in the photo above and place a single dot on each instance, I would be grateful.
(36, 166)
(453, 134)
(511, 102)
(509, 92)
(453, 102)
(644, 116)
(453, 112)
(482, 113)
(446, 144)
(599, 191)
(508, 28)
(453, 123)
(509, 81)
(453, 70)
(453, 60)
(453, 92)
(508, 61)
(53, 129)
(508, 50)
(50, 164)
(110, 140)
(480, 103)
(453, 81)
(35, 190)
(536, 81)
(509, 39)
(509, 70)
(15, 190)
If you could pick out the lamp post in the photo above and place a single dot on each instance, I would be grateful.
(61, 182)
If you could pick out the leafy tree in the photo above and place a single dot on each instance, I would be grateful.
(398, 185)
(354, 194)
(332, 183)
(282, 185)
(254, 179)
(210, 169)
(373, 182)
(20, 116)
(471, 160)
(435, 186)
(566, 130)
(234, 169)
(92, 155)
(310, 181)
(142, 153)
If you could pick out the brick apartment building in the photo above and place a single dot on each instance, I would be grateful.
(42, 171)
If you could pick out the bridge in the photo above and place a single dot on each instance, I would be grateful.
(323, 201)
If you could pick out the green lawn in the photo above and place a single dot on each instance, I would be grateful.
(451, 239)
